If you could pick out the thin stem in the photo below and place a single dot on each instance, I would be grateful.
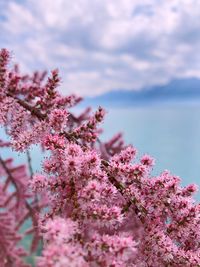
(29, 163)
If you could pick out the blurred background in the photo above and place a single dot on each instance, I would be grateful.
(138, 59)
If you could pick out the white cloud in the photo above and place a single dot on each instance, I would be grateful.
(101, 45)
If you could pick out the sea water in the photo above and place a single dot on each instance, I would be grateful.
(170, 133)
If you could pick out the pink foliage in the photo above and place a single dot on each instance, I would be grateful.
(102, 207)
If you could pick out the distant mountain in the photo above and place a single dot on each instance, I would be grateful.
(182, 90)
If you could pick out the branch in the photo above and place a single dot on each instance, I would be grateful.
(105, 164)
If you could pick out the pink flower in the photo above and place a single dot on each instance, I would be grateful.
(93, 205)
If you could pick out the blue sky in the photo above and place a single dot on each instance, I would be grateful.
(104, 45)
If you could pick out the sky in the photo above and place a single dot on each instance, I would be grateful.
(104, 45)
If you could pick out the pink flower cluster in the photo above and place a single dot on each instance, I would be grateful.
(101, 206)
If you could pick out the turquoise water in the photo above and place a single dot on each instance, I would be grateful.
(171, 134)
